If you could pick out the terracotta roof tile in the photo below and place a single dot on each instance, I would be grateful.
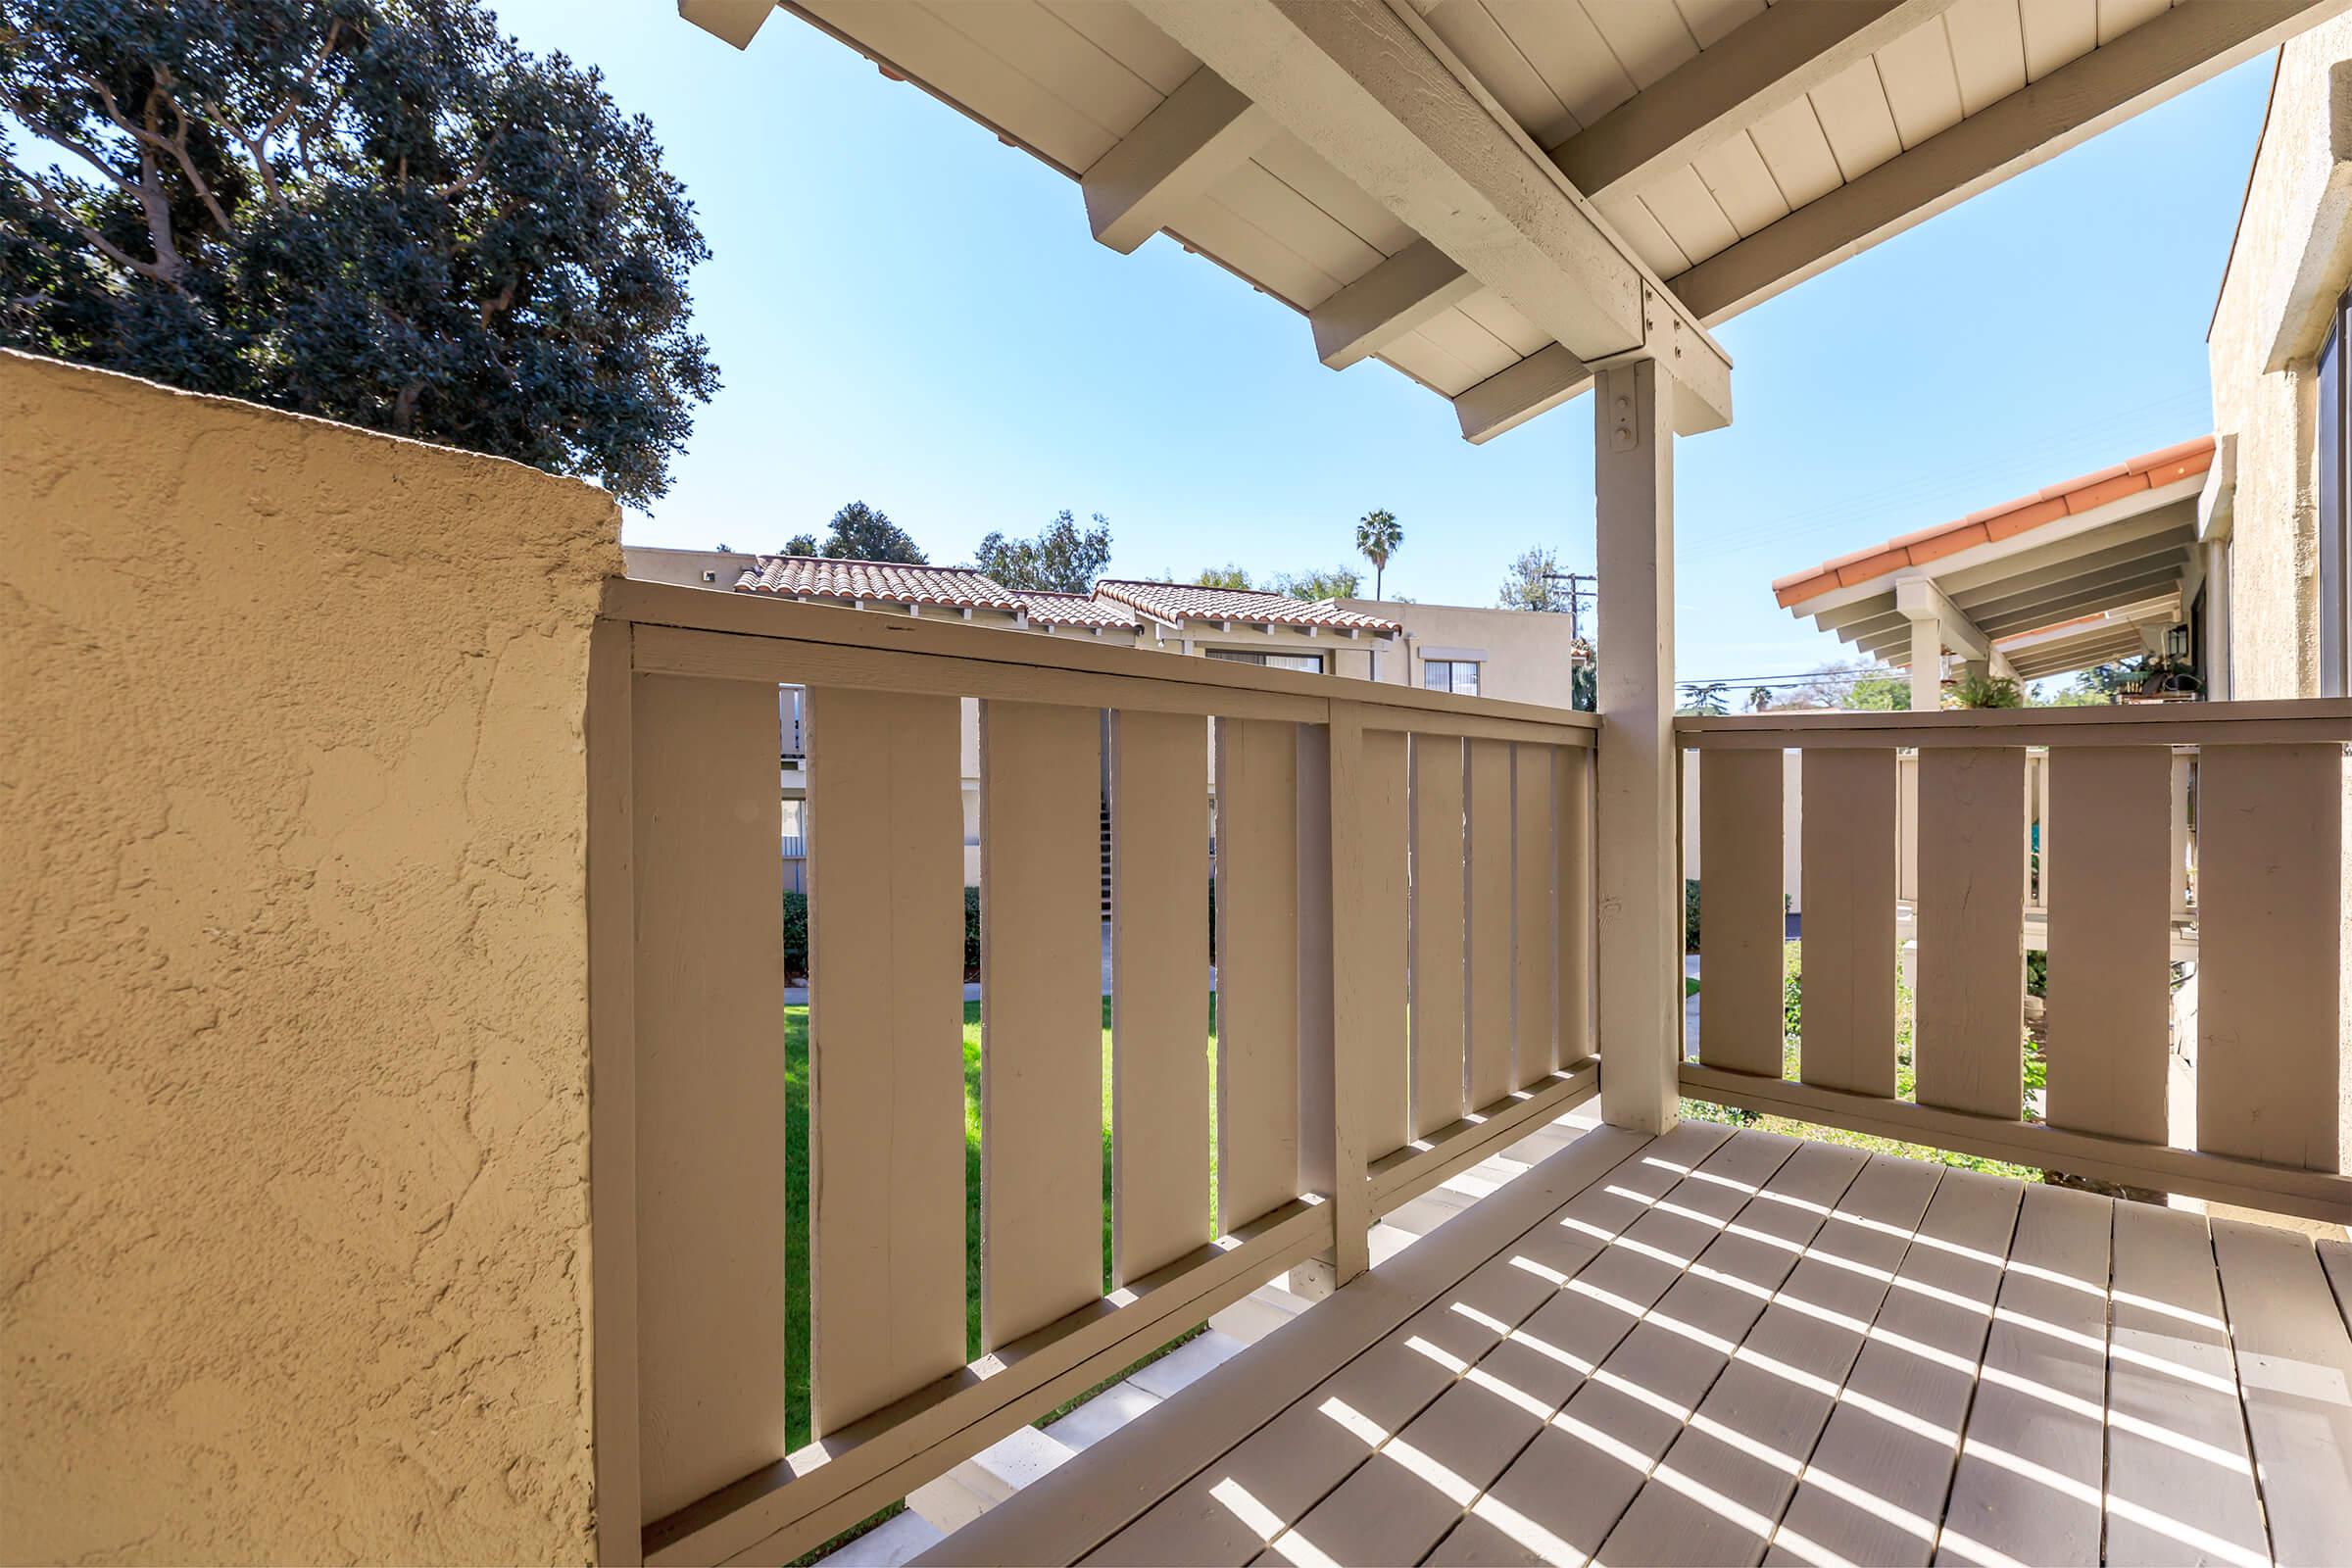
(2147, 471)
(1179, 601)
(1048, 609)
(848, 581)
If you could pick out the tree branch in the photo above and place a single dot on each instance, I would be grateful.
(177, 142)
(86, 154)
(99, 242)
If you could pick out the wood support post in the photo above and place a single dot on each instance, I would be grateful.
(1927, 664)
(1640, 902)
(1333, 1032)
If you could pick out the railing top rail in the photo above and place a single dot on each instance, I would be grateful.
(833, 627)
(2299, 720)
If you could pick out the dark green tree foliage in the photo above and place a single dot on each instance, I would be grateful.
(858, 532)
(801, 544)
(1334, 582)
(1059, 560)
(1230, 577)
(377, 211)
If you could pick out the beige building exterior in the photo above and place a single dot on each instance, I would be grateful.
(2273, 517)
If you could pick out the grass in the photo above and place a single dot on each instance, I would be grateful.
(796, 1318)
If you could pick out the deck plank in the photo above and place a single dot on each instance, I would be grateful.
(1875, 1484)
(1563, 1495)
(1722, 1485)
(2294, 1372)
(1230, 1511)
(1406, 1499)
(2029, 1482)
(2179, 1486)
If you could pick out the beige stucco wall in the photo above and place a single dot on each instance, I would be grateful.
(2292, 256)
(1525, 655)
(292, 1194)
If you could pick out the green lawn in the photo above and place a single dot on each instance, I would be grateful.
(795, 1155)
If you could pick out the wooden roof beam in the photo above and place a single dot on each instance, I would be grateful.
(1199, 134)
(1765, 65)
(1384, 102)
(1384, 303)
(2152, 62)
(734, 20)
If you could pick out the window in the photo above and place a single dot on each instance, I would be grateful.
(1312, 663)
(2336, 513)
(795, 829)
(1456, 675)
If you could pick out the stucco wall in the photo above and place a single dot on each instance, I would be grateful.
(293, 1213)
(1525, 655)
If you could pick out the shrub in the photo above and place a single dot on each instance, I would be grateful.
(1690, 916)
(796, 935)
(972, 930)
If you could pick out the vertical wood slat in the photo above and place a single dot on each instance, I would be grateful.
(2110, 977)
(1968, 1032)
(2270, 860)
(1534, 1017)
(1847, 1032)
(1572, 881)
(1041, 1016)
(1374, 964)
(1159, 990)
(1437, 1038)
(1336, 1028)
(1487, 913)
(886, 1046)
(1257, 967)
(1740, 1011)
(709, 1083)
(613, 1092)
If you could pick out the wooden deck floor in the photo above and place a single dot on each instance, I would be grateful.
(1735, 1348)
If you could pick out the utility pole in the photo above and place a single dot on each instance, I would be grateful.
(1575, 597)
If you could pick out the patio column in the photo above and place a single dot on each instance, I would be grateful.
(1926, 661)
(1638, 869)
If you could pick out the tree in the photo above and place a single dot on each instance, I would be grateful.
(1706, 700)
(1378, 536)
(381, 212)
(1529, 586)
(858, 532)
(1340, 582)
(802, 544)
(1227, 576)
(1881, 691)
(1060, 559)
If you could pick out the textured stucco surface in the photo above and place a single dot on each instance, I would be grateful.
(2293, 212)
(293, 1108)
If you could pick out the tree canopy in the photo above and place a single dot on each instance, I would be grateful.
(1527, 585)
(859, 532)
(1227, 576)
(1378, 536)
(382, 211)
(1334, 582)
(1060, 560)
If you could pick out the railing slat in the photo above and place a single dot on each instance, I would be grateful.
(1968, 1034)
(1572, 782)
(1257, 967)
(1487, 912)
(886, 906)
(2110, 930)
(1376, 975)
(1041, 1016)
(1437, 933)
(2270, 862)
(1534, 1016)
(1159, 990)
(710, 1029)
(1741, 1006)
(1849, 853)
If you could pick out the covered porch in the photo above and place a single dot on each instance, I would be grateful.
(1442, 921)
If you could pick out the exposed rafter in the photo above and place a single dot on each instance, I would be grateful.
(1387, 302)
(1509, 398)
(1384, 104)
(2152, 62)
(1765, 65)
(1202, 133)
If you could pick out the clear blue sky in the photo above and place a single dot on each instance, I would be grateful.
(907, 311)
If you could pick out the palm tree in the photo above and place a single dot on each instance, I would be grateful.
(1377, 538)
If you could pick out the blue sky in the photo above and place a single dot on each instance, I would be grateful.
(907, 311)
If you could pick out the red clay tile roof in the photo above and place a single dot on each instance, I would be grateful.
(818, 577)
(1047, 608)
(1172, 600)
(2148, 471)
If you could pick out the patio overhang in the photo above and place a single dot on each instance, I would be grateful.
(1499, 201)
(2073, 576)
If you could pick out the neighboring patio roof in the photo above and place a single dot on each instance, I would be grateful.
(2101, 557)
(1048, 609)
(1177, 603)
(1493, 199)
(882, 582)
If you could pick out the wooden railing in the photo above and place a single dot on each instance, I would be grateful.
(1404, 939)
(2270, 793)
